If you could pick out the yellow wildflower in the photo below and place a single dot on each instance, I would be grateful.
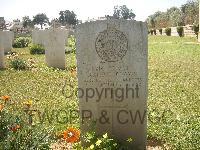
(28, 103)
(129, 140)
(98, 142)
(105, 136)
(92, 146)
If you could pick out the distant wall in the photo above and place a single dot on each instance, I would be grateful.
(188, 31)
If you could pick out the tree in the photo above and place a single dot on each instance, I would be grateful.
(176, 18)
(27, 22)
(156, 20)
(2, 23)
(67, 17)
(40, 19)
(191, 12)
(62, 17)
(162, 21)
(151, 22)
(122, 12)
(187, 14)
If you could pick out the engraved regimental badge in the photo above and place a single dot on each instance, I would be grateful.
(111, 45)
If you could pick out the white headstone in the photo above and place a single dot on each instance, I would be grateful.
(174, 31)
(38, 37)
(54, 43)
(158, 32)
(163, 31)
(8, 38)
(112, 78)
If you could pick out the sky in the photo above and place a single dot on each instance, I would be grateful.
(13, 9)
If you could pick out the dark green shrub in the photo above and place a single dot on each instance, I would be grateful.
(160, 30)
(36, 49)
(154, 31)
(168, 31)
(151, 31)
(196, 29)
(180, 31)
(21, 42)
(18, 64)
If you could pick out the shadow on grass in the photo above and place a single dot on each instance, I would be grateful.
(2, 69)
(153, 142)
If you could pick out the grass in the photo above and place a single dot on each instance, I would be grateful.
(43, 85)
(174, 91)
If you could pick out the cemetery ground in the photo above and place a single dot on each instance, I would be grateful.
(38, 104)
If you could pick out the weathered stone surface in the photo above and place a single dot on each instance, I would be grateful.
(2, 65)
(163, 31)
(38, 37)
(54, 42)
(112, 78)
(8, 38)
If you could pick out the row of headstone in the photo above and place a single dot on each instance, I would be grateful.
(6, 41)
(112, 75)
(54, 41)
(188, 31)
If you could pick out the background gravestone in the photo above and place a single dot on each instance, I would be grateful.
(8, 40)
(54, 43)
(2, 65)
(174, 31)
(38, 37)
(112, 78)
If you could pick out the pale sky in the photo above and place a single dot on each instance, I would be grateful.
(13, 9)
